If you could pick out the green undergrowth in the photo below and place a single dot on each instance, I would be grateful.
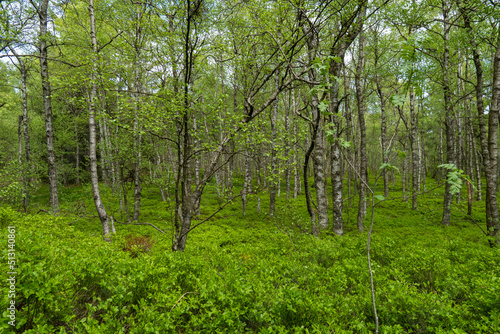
(252, 274)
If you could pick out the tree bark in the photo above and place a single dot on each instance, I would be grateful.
(47, 106)
(336, 66)
(491, 170)
(103, 151)
(274, 159)
(414, 150)
(488, 140)
(188, 197)
(312, 38)
(348, 135)
(363, 168)
(26, 167)
(138, 39)
(20, 145)
(296, 171)
(449, 119)
(101, 211)
(77, 150)
(423, 163)
(383, 131)
(287, 147)
(197, 163)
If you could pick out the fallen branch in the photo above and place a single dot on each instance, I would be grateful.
(139, 224)
(230, 200)
(288, 235)
(197, 293)
(81, 217)
(470, 218)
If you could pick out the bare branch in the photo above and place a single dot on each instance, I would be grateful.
(139, 224)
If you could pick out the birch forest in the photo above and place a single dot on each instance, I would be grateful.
(250, 166)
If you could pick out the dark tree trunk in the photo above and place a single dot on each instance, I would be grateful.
(491, 170)
(488, 140)
(363, 167)
(383, 134)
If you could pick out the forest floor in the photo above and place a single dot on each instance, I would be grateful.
(253, 273)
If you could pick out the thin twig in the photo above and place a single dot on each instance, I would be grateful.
(81, 217)
(288, 235)
(197, 293)
(209, 217)
(140, 224)
(368, 242)
(473, 220)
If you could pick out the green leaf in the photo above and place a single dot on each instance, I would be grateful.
(389, 167)
(398, 100)
(344, 143)
(323, 106)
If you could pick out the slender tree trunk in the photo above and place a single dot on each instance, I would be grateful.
(449, 121)
(124, 193)
(423, 164)
(405, 171)
(441, 152)
(137, 135)
(383, 135)
(458, 122)
(348, 135)
(296, 159)
(414, 150)
(20, 147)
(25, 169)
(109, 150)
(477, 165)
(287, 148)
(27, 147)
(47, 106)
(188, 196)
(319, 174)
(197, 164)
(230, 169)
(247, 184)
(488, 141)
(274, 159)
(103, 151)
(318, 153)
(101, 211)
(337, 173)
(470, 147)
(77, 151)
(137, 180)
(310, 210)
(363, 168)
(296, 171)
(492, 215)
